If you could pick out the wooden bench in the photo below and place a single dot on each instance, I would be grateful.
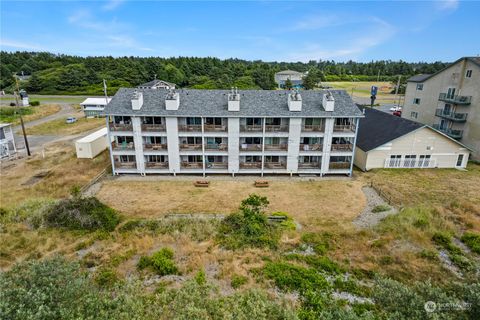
(261, 184)
(201, 183)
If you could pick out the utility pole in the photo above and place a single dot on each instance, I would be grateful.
(378, 76)
(396, 90)
(105, 91)
(16, 93)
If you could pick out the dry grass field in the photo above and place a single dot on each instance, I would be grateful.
(60, 127)
(362, 89)
(36, 113)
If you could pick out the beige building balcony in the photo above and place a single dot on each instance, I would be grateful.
(191, 165)
(344, 128)
(216, 165)
(187, 146)
(276, 147)
(120, 127)
(250, 147)
(339, 165)
(275, 165)
(346, 147)
(125, 146)
(215, 128)
(216, 147)
(276, 128)
(190, 127)
(155, 146)
(309, 165)
(311, 147)
(251, 128)
(313, 128)
(156, 165)
(125, 165)
(153, 127)
(250, 165)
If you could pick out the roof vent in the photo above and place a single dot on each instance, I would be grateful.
(328, 101)
(234, 100)
(137, 100)
(294, 101)
(172, 100)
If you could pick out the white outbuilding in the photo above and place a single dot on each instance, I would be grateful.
(93, 107)
(92, 145)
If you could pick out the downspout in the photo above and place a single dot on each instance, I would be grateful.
(109, 140)
(354, 146)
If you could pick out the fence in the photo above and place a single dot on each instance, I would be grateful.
(99, 176)
(384, 195)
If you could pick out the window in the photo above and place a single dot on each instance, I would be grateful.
(272, 159)
(424, 161)
(416, 101)
(214, 140)
(414, 115)
(419, 86)
(450, 93)
(459, 160)
(254, 121)
(312, 121)
(468, 74)
(253, 159)
(273, 121)
(2, 134)
(409, 161)
(253, 140)
(195, 159)
(192, 140)
(125, 158)
(395, 160)
(213, 121)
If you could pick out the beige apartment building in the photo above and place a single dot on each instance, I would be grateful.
(449, 101)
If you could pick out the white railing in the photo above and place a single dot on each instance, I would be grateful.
(410, 163)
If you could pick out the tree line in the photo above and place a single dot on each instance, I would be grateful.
(66, 74)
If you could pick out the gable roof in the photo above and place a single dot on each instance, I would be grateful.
(213, 103)
(289, 72)
(157, 82)
(423, 77)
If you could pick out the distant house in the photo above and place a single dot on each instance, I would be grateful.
(157, 84)
(7, 141)
(24, 98)
(92, 107)
(295, 77)
(387, 141)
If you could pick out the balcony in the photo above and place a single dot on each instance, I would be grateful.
(345, 147)
(186, 146)
(461, 100)
(313, 128)
(156, 165)
(153, 127)
(216, 147)
(276, 147)
(124, 146)
(216, 165)
(250, 147)
(191, 165)
(251, 128)
(215, 128)
(275, 165)
(125, 165)
(452, 133)
(450, 115)
(120, 127)
(190, 127)
(276, 128)
(344, 128)
(250, 165)
(309, 165)
(311, 147)
(157, 146)
(339, 165)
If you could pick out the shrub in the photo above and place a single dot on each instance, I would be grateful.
(380, 208)
(34, 103)
(106, 277)
(445, 240)
(428, 255)
(249, 227)
(288, 223)
(321, 242)
(321, 263)
(238, 281)
(291, 277)
(472, 240)
(161, 262)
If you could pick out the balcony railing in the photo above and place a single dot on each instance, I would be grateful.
(311, 147)
(453, 133)
(450, 115)
(216, 165)
(186, 146)
(339, 165)
(342, 147)
(251, 128)
(125, 165)
(250, 165)
(410, 163)
(191, 165)
(123, 146)
(313, 128)
(215, 127)
(156, 146)
(309, 165)
(465, 100)
(278, 147)
(276, 165)
(190, 127)
(215, 146)
(276, 128)
(250, 147)
(156, 165)
(344, 128)
(153, 127)
(120, 127)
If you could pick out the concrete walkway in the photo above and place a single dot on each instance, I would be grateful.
(367, 218)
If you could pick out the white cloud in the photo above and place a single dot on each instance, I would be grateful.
(112, 5)
(317, 22)
(448, 4)
(18, 45)
(85, 19)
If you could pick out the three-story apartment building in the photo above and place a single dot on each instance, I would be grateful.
(448, 100)
(232, 132)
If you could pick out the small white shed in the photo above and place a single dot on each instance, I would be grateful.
(93, 144)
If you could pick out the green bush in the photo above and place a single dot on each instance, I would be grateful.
(34, 103)
(445, 240)
(249, 227)
(106, 277)
(288, 223)
(292, 277)
(321, 242)
(380, 208)
(318, 262)
(238, 281)
(161, 262)
(472, 240)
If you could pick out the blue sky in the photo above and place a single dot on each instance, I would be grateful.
(254, 30)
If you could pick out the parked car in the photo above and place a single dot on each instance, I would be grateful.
(396, 108)
(71, 120)
(397, 113)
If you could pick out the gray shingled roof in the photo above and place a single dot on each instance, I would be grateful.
(289, 72)
(253, 103)
(419, 78)
(423, 77)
